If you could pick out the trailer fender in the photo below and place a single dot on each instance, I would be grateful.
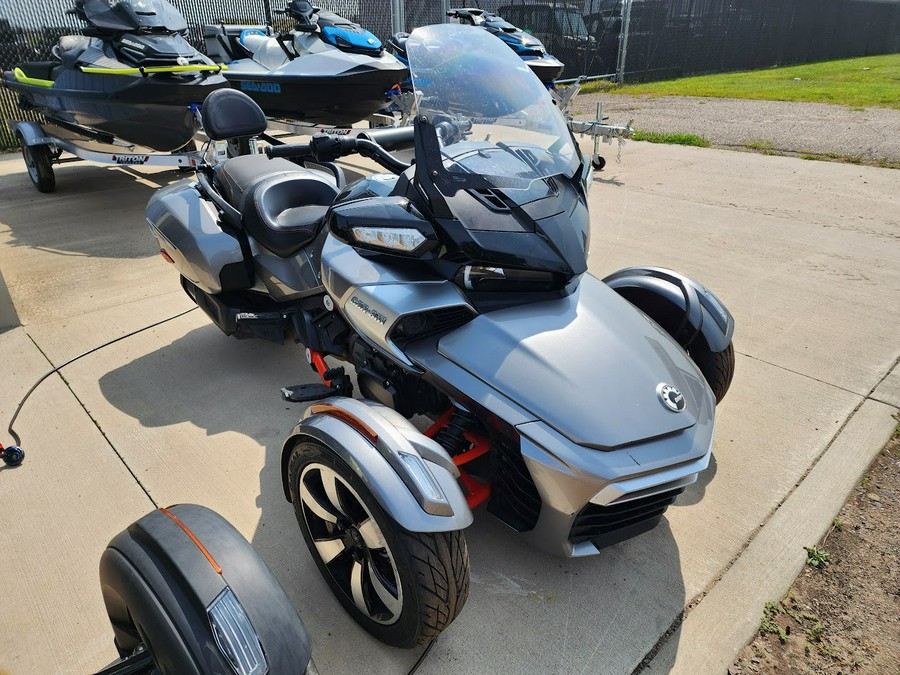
(31, 134)
(411, 476)
(685, 308)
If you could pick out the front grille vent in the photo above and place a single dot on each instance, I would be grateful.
(596, 522)
(514, 497)
(431, 322)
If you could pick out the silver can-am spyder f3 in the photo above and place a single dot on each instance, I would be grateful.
(576, 409)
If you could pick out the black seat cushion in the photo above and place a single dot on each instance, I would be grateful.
(239, 173)
(282, 205)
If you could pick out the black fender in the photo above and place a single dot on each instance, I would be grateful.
(685, 308)
(160, 576)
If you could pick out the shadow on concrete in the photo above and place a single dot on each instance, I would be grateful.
(9, 317)
(527, 611)
(113, 198)
(613, 180)
(695, 491)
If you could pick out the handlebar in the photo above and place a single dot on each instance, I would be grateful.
(326, 148)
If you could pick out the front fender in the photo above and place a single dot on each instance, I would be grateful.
(684, 307)
(411, 476)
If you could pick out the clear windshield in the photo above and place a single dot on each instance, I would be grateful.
(493, 116)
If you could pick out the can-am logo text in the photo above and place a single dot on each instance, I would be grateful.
(371, 313)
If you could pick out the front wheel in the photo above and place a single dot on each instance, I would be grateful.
(402, 587)
(717, 367)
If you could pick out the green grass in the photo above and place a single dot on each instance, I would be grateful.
(671, 139)
(858, 83)
(765, 147)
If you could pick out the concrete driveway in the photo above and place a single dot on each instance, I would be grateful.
(806, 255)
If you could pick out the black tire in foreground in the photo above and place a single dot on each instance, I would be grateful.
(402, 587)
(185, 593)
(40, 167)
(717, 367)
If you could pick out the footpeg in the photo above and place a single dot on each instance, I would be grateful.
(304, 393)
(339, 385)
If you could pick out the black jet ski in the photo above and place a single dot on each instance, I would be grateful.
(131, 76)
(327, 70)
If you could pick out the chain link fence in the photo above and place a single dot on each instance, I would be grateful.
(629, 39)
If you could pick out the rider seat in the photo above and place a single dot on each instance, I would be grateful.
(282, 205)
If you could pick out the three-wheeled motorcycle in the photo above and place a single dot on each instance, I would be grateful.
(576, 409)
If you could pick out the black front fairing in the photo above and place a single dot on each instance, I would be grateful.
(498, 184)
(488, 210)
(127, 16)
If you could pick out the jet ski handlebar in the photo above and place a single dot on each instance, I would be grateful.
(327, 148)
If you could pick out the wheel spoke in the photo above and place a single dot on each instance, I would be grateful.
(329, 549)
(371, 534)
(392, 603)
(329, 482)
(323, 511)
(356, 587)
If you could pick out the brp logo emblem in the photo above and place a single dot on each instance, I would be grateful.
(671, 397)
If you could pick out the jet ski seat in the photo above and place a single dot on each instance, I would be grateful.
(69, 48)
(282, 205)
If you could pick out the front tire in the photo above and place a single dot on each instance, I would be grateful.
(402, 587)
(717, 367)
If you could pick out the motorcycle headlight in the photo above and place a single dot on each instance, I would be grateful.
(403, 239)
(235, 635)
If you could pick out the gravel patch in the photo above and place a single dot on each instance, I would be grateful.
(871, 134)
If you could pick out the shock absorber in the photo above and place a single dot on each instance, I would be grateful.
(452, 435)
(459, 433)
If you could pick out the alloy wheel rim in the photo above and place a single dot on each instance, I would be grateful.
(350, 544)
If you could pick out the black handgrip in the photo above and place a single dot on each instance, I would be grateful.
(289, 150)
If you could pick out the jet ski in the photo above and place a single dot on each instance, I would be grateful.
(327, 70)
(130, 77)
(531, 50)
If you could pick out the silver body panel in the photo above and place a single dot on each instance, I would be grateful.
(587, 364)
(396, 489)
(569, 475)
(373, 298)
(287, 278)
(186, 226)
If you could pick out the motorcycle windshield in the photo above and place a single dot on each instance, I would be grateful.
(493, 117)
(133, 15)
